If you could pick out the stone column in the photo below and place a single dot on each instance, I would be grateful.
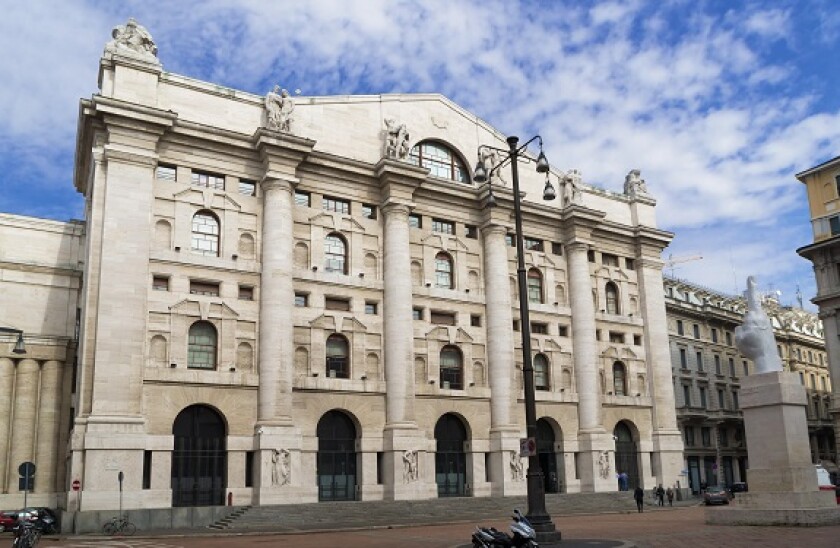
(24, 408)
(7, 381)
(276, 337)
(46, 452)
(504, 432)
(397, 323)
(830, 319)
(667, 441)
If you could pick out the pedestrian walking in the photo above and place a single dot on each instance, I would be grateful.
(670, 494)
(639, 495)
(660, 495)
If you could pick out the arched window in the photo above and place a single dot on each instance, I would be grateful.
(443, 271)
(205, 233)
(201, 352)
(619, 379)
(612, 298)
(535, 286)
(440, 160)
(540, 372)
(335, 254)
(451, 368)
(338, 357)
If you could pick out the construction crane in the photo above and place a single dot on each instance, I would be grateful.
(672, 261)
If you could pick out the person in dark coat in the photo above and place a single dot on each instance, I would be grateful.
(660, 495)
(639, 495)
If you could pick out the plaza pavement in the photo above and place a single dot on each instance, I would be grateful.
(578, 517)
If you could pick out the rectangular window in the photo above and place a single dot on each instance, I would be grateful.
(372, 309)
(563, 330)
(369, 211)
(444, 227)
(689, 436)
(207, 180)
(608, 259)
(417, 313)
(303, 198)
(516, 325)
(717, 365)
(724, 437)
(590, 255)
(336, 204)
(746, 368)
(166, 172)
(706, 434)
(680, 328)
(160, 283)
(703, 403)
(301, 300)
(204, 288)
(471, 232)
(687, 395)
(443, 318)
(631, 263)
(335, 303)
(616, 338)
(683, 359)
(637, 340)
(246, 293)
(147, 469)
(556, 248)
(721, 399)
(415, 221)
(475, 320)
(729, 338)
(696, 331)
(533, 244)
(249, 468)
(538, 328)
(510, 240)
(731, 367)
(714, 335)
(248, 188)
(699, 360)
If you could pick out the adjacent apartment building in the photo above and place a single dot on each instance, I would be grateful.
(707, 369)
(297, 299)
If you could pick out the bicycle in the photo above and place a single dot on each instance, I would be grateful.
(119, 525)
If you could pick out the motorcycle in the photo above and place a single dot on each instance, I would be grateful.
(524, 535)
(26, 535)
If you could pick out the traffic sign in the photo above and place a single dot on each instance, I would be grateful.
(76, 485)
(527, 447)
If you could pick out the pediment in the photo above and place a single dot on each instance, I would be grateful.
(186, 307)
(629, 354)
(207, 198)
(323, 322)
(551, 345)
(611, 352)
(351, 324)
(462, 336)
(432, 239)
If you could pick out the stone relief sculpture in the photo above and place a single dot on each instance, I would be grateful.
(134, 40)
(281, 467)
(411, 469)
(517, 467)
(489, 158)
(279, 107)
(571, 187)
(604, 464)
(396, 140)
(754, 338)
(634, 185)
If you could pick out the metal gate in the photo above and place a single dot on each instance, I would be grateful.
(626, 455)
(450, 459)
(199, 459)
(336, 457)
(548, 458)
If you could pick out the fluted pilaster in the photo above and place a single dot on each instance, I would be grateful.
(49, 412)
(583, 337)
(24, 408)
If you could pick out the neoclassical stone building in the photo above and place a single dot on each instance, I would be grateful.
(708, 369)
(302, 299)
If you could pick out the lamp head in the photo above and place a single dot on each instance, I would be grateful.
(548, 192)
(542, 163)
(19, 348)
(480, 174)
(491, 200)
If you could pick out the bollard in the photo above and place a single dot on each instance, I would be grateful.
(230, 499)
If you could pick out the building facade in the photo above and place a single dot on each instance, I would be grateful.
(822, 184)
(708, 367)
(299, 299)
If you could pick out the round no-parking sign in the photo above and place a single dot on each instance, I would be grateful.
(77, 485)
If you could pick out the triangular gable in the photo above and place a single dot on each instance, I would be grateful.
(323, 322)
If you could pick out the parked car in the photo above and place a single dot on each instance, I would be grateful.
(739, 487)
(47, 518)
(716, 494)
(7, 520)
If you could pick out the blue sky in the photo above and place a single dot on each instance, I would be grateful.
(718, 103)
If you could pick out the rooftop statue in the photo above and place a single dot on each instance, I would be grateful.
(634, 185)
(571, 187)
(134, 40)
(279, 107)
(754, 338)
(396, 140)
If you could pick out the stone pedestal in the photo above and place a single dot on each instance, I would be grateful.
(408, 464)
(277, 482)
(507, 470)
(781, 477)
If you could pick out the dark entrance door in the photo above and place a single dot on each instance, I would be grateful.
(450, 459)
(199, 461)
(548, 459)
(336, 457)
(626, 455)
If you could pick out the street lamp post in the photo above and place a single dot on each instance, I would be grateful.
(19, 348)
(537, 513)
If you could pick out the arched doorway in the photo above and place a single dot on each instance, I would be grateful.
(626, 455)
(450, 458)
(336, 457)
(552, 474)
(199, 460)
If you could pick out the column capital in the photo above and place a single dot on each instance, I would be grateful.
(651, 263)
(281, 153)
(274, 183)
(576, 245)
(395, 209)
(490, 229)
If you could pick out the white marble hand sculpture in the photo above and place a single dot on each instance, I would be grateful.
(754, 338)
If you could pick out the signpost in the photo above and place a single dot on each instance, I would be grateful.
(120, 478)
(27, 480)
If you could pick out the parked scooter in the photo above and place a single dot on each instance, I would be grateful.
(26, 534)
(524, 535)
